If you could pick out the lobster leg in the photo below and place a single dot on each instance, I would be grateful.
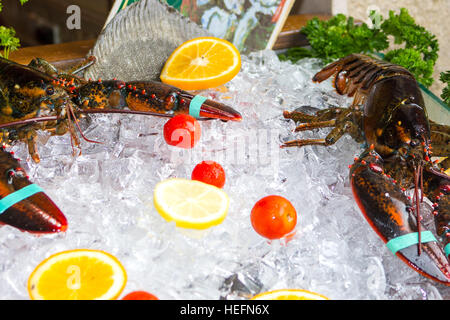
(439, 127)
(442, 212)
(49, 69)
(437, 188)
(321, 115)
(44, 66)
(31, 143)
(389, 212)
(24, 205)
(440, 138)
(316, 125)
(305, 142)
(343, 120)
(86, 63)
(28, 135)
(4, 103)
(70, 76)
(335, 134)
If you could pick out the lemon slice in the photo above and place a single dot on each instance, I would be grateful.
(81, 274)
(202, 63)
(190, 203)
(289, 294)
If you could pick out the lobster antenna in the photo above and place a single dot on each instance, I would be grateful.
(71, 129)
(91, 60)
(78, 126)
(147, 113)
(416, 199)
(28, 121)
(421, 183)
(421, 171)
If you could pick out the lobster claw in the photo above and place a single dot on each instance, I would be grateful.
(24, 205)
(388, 211)
(149, 97)
(212, 109)
(164, 98)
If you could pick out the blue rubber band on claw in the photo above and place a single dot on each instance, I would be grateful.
(195, 105)
(409, 239)
(17, 196)
(447, 249)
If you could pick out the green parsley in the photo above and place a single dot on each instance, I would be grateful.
(8, 40)
(340, 36)
(445, 78)
(416, 48)
(420, 47)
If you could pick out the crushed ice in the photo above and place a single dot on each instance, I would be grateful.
(106, 194)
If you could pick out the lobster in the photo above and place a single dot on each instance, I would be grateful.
(394, 173)
(40, 97)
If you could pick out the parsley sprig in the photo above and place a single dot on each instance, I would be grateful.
(416, 48)
(8, 40)
(445, 78)
(340, 36)
(420, 47)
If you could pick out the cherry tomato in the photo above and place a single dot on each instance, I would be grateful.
(182, 131)
(209, 172)
(273, 217)
(140, 295)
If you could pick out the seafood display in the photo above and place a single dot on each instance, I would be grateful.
(106, 196)
(39, 97)
(228, 214)
(388, 114)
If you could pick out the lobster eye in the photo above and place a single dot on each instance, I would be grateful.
(414, 143)
(50, 91)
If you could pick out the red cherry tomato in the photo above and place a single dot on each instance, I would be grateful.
(273, 217)
(139, 295)
(209, 172)
(182, 131)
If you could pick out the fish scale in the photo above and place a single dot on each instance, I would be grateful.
(138, 41)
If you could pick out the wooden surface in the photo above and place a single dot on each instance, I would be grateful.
(59, 54)
(70, 53)
(290, 35)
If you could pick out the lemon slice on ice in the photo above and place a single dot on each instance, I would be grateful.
(81, 274)
(190, 203)
(289, 294)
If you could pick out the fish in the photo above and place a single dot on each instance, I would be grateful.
(137, 42)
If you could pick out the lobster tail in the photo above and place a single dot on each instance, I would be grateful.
(389, 212)
(358, 72)
(23, 204)
(326, 72)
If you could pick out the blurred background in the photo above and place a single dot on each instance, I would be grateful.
(40, 22)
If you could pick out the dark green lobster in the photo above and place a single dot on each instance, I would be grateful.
(39, 97)
(388, 114)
